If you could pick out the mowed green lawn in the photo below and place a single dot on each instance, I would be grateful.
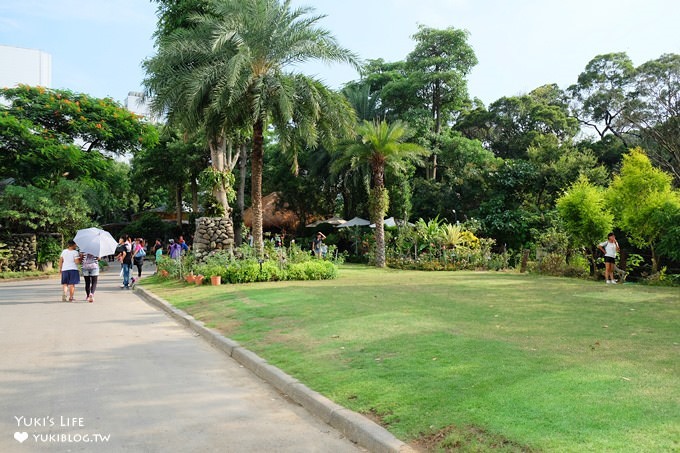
(470, 360)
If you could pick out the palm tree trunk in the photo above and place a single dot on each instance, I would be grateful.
(179, 194)
(378, 206)
(379, 242)
(194, 194)
(241, 194)
(257, 163)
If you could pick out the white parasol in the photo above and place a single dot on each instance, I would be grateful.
(95, 241)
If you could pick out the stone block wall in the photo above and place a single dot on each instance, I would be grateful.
(24, 252)
(213, 233)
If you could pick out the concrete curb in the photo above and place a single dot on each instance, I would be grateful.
(354, 426)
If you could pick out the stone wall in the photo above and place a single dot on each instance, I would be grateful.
(213, 233)
(23, 249)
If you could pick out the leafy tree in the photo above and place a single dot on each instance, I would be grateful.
(66, 118)
(173, 164)
(506, 214)
(644, 202)
(658, 115)
(605, 93)
(50, 135)
(515, 123)
(389, 90)
(61, 208)
(439, 65)
(583, 210)
(311, 191)
(557, 166)
(380, 145)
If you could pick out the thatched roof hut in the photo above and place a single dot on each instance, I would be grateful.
(275, 215)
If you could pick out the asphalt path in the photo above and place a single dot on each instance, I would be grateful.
(118, 375)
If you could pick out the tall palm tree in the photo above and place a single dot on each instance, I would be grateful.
(380, 145)
(182, 80)
(244, 77)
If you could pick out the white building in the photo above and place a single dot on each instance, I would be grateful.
(136, 103)
(24, 66)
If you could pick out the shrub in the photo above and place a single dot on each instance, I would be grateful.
(290, 263)
(312, 270)
(242, 271)
(48, 249)
(171, 266)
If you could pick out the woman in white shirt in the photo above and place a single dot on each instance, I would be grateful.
(609, 248)
(68, 267)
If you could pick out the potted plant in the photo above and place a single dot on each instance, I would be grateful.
(215, 280)
(189, 277)
(198, 280)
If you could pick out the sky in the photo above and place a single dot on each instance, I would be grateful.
(97, 46)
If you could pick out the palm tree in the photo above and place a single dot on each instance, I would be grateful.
(181, 81)
(381, 145)
(242, 77)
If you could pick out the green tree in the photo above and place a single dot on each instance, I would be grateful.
(66, 118)
(604, 94)
(380, 145)
(438, 68)
(515, 123)
(174, 165)
(658, 116)
(49, 135)
(584, 212)
(644, 203)
(61, 208)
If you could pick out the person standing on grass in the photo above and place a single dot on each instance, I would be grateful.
(68, 268)
(609, 248)
(174, 250)
(317, 244)
(158, 252)
(91, 274)
(182, 243)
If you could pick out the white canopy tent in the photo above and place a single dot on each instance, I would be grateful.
(392, 222)
(355, 222)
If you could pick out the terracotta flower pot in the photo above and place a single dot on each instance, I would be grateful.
(164, 273)
(189, 278)
(198, 280)
(215, 280)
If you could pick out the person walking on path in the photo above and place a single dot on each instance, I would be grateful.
(609, 248)
(68, 268)
(91, 275)
(124, 256)
(139, 253)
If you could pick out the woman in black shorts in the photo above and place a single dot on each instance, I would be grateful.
(609, 248)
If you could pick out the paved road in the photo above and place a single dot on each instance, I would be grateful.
(118, 375)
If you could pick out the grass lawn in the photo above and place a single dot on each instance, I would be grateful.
(471, 361)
